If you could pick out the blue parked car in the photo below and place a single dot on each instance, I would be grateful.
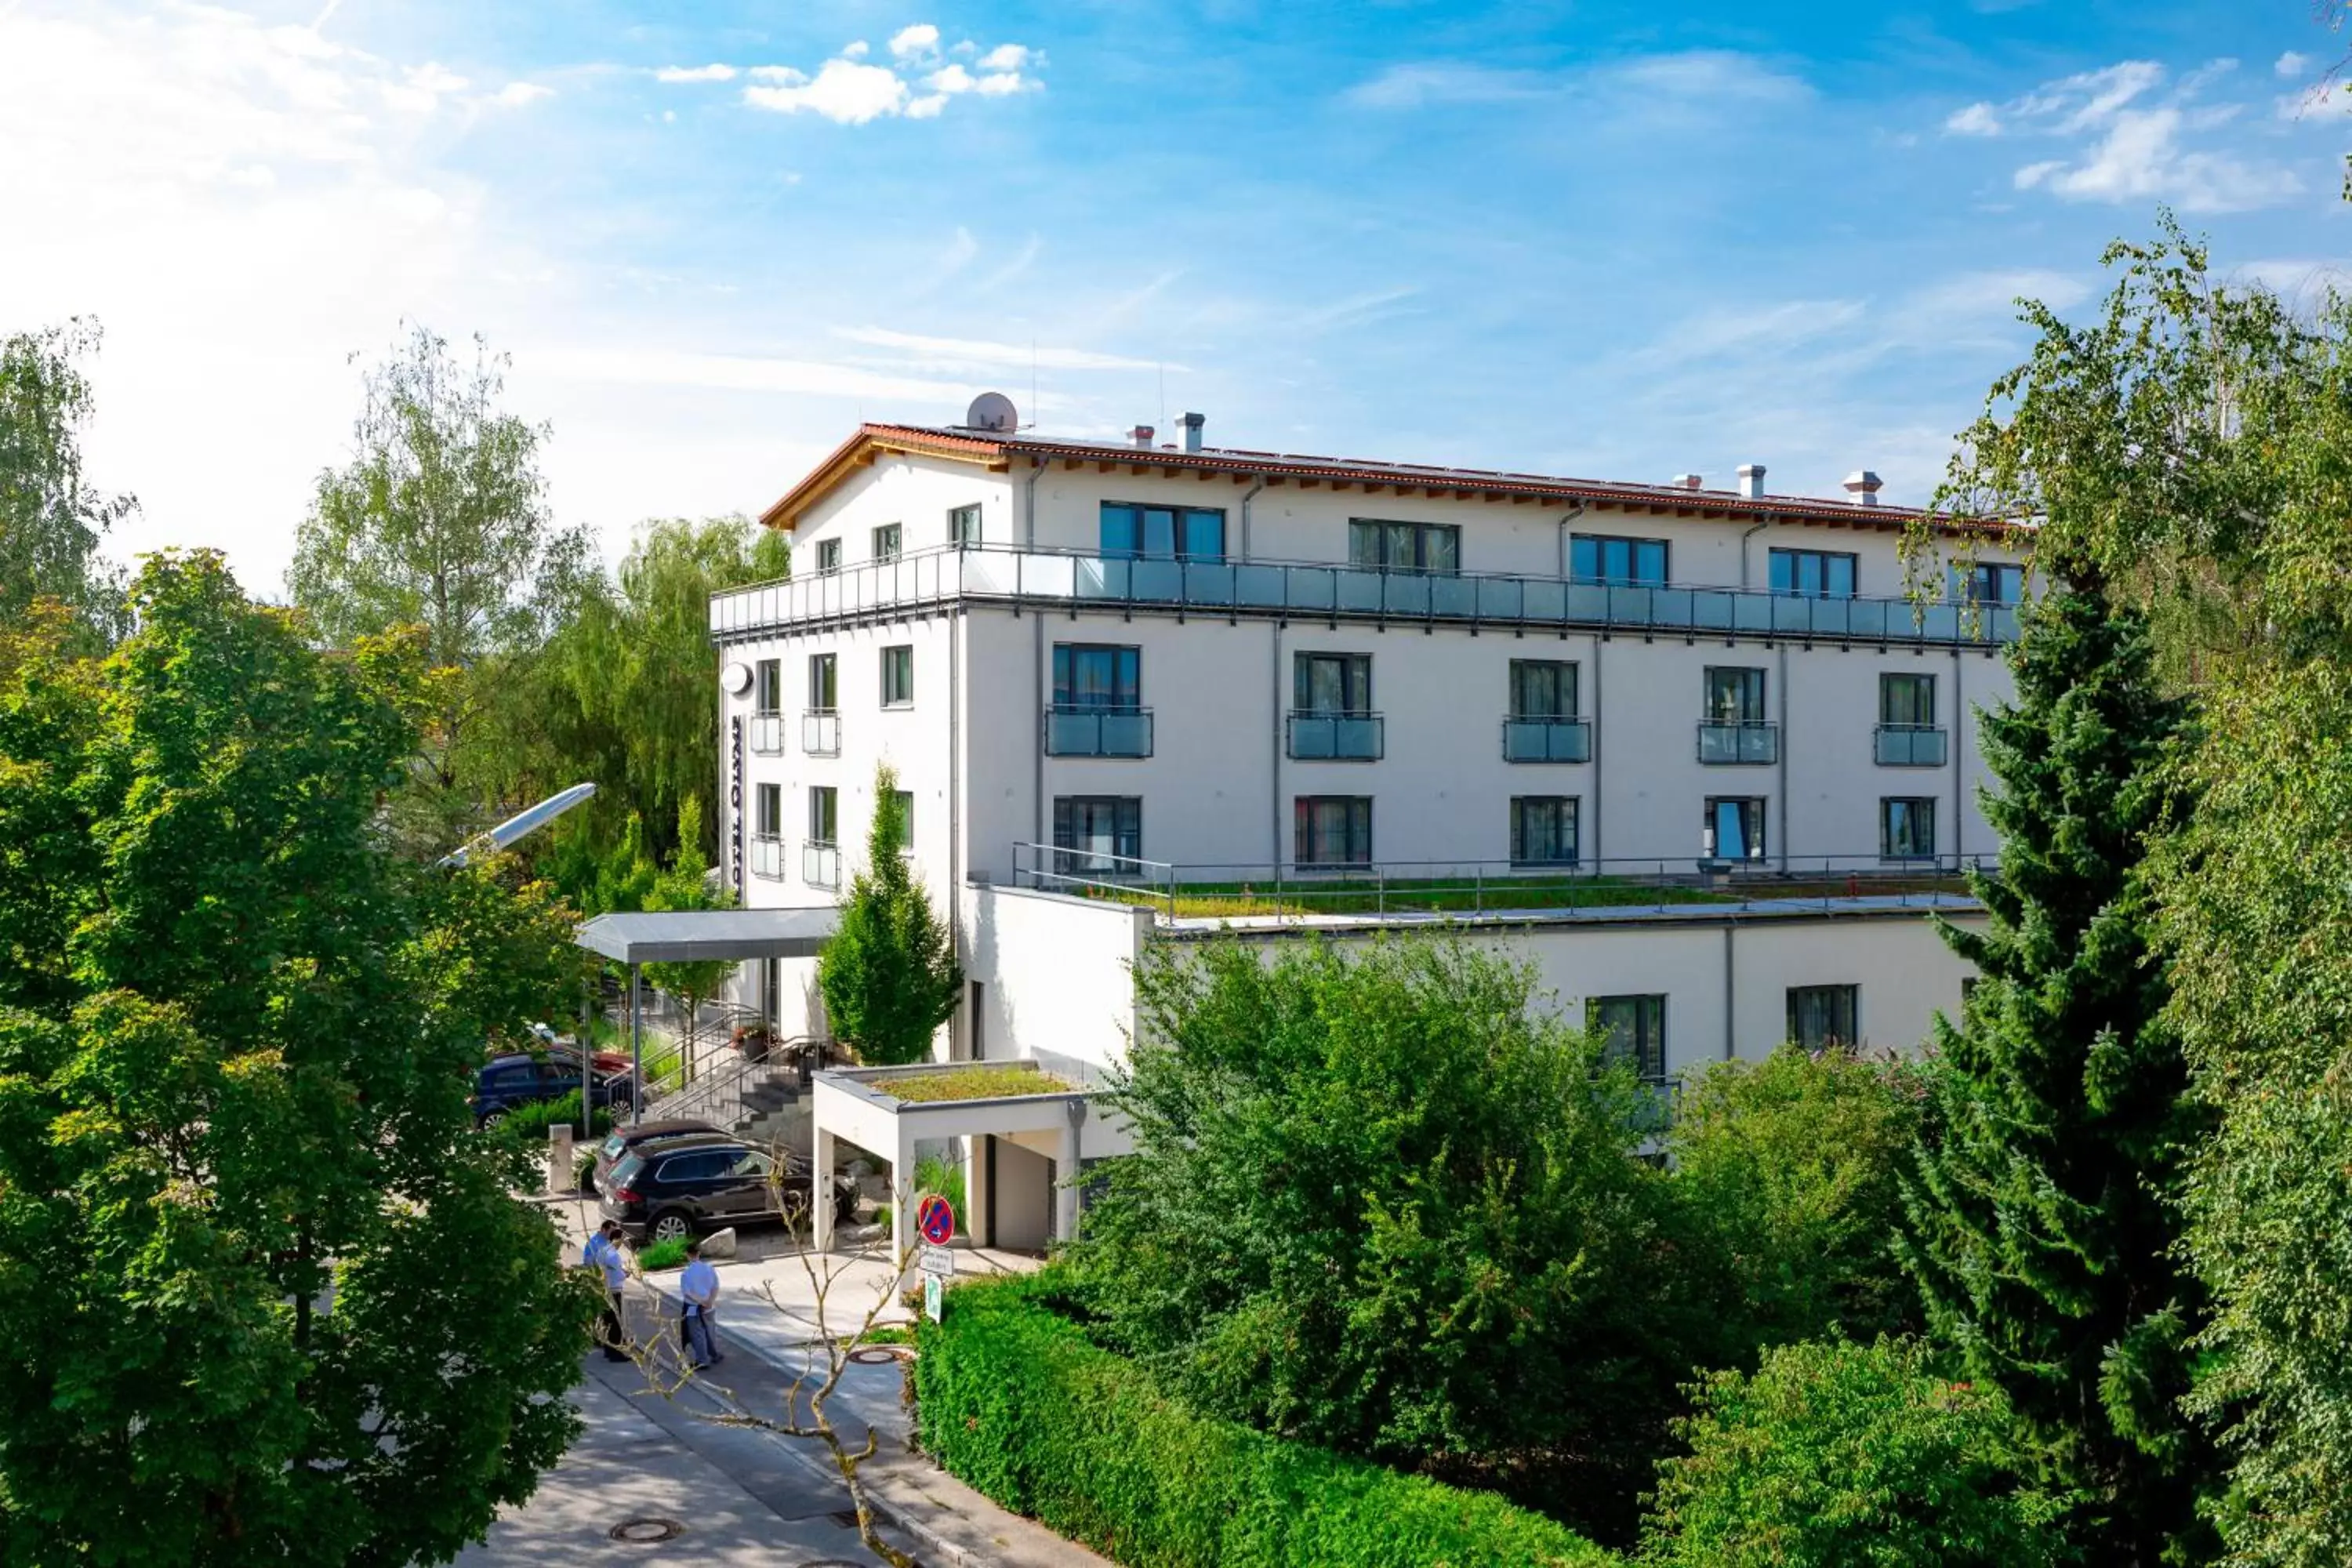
(506, 1083)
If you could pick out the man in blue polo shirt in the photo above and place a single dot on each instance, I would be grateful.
(697, 1289)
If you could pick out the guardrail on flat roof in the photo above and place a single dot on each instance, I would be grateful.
(1310, 591)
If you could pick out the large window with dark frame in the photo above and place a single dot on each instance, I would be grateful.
(828, 555)
(1333, 683)
(1617, 562)
(1543, 688)
(887, 542)
(1821, 1017)
(1095, 833)
(1332, 830)
(769, 698)
(1734, 827)
(1906, 700)
(1133, 531)
(1989, 583)
(899, 676)
(1906, 828)
(821, 685)
(1543, 830)
(1097, 676)
(1813, 573)
(963, 525)
(824, 815)
(1632, 1028)
(1733, 695)
(1430, 547)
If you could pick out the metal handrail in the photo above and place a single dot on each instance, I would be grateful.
(1327, 589)
(1290, 890)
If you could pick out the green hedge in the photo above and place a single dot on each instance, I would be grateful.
(1016, 1401)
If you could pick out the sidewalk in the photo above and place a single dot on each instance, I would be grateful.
(944, 1523)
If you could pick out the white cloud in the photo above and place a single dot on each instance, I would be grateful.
(2290, 64)
(922, 38)
(1976, 120)
(951, 79)
(1005, 83)
(517, 94)
(2135, 140)
(1415, 84)
(713, 72)
(1667, 85)
(1979, 294)
(1004, 57)
(927, 107)
(856, 50)
(975, 351)
(844, 92)
(785, 74)
(1710, 76)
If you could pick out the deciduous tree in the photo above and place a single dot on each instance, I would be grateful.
(51, 519)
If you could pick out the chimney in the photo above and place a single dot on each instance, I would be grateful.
(1862, 487)
(1689, 482)
(1141, 436)
(1751, 481)
(1191, 424)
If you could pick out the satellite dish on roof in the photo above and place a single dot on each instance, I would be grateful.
(991, 411)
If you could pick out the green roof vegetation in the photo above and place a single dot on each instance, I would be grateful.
(971, 1083)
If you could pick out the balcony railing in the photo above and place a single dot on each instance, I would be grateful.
(1098, 731)
(1547, 741)
(1738, 746)
(1910, 746)
(767, 734)
(1068, 577)
(821, 733)
(821, 864)
(1336, 737)
(767, 855)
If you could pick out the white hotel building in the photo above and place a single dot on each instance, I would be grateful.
(1176, 664)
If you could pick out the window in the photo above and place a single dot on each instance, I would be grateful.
(963, 525)
(1632, 1028)
(1908, 699)
(1543, 830)
(1620, 563)
(770, 686)
(828, 555)
(899, 676)
(1405, 546)
(768, 816)
(823, 814)
(1097, 675)
(1906, 829)
(1333, 829)
(1333, 682)
(905, 799)
(1823, 1015)
(1734, 828)
(886, 543)
(1096, 825)
(1734, 696)
(1813, 574)
(1162, 533)
(1989, 583)
(821, 683)
(1542, 689)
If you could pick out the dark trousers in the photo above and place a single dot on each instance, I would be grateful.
(695, 1339)
(609, 1332)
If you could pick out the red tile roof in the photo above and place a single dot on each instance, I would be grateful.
(997, 450)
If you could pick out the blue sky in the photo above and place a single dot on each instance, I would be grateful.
(1601, 238)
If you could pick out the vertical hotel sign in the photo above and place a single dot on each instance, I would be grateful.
(735, 802)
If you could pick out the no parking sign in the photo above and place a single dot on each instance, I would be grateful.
(934, 1217)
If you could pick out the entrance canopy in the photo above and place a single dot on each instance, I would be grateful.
(696, 936)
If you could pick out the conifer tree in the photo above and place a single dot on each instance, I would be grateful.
(890, 975)
(2042, 1213)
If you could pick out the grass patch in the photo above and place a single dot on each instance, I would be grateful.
(888, 1334)
(976, 1083)
(662, 1254)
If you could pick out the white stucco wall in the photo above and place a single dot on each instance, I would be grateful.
(1057, 973)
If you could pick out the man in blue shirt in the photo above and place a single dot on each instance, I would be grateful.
(698, 1288)
(602, 1251)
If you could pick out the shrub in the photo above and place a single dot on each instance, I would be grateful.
(527, 1125)
(1834, 1454)
(1788, 1172)
(1016, 1401)
(661, 1255)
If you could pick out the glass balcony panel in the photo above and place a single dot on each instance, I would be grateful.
(1500, 598)
(820, 734)
(1311, 587)
(1751, 612)
(821, 864)
(1587, 602)
(1629, 606)
(1260, 587)
(1910, 746)
(1208, 583)
(767, 857)
(767, 734)
(1791, 613)
(1336, 737)
(1547, 741)
(1407, 593)
(1097, 732)
(1738, 746)
(1941, 623)
(1361, 591)
(1156, 582)
(1673, 608)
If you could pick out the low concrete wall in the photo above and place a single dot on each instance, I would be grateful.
(1056, 973)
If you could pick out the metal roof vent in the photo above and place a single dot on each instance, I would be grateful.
(1191, 424)
(1861, 487)
(1689, 482)
(1141, 436)
(1751, 481)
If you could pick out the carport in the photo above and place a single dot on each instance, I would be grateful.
(694, 936)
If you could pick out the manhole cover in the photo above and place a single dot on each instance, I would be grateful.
(645, 1531)
(847, 1518)
(829, 1563)
(877, 1356)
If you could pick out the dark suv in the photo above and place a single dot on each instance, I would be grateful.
(625, 1140)
(671, 1189)
(507, 1083)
